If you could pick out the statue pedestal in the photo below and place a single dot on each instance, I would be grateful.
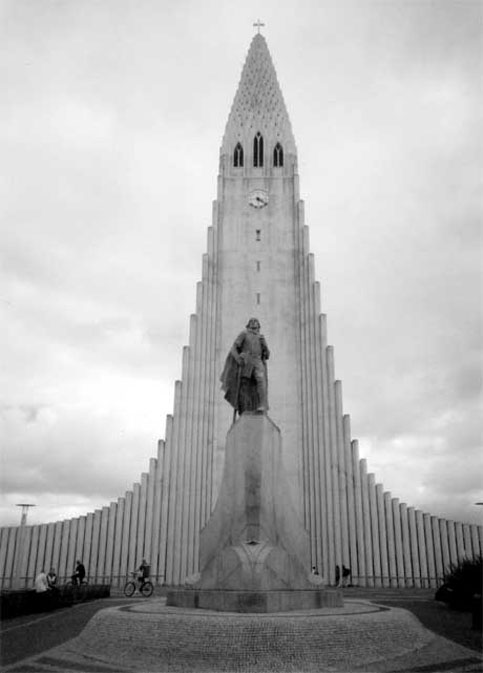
(254, 551)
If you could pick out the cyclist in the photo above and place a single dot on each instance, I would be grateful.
(143, 573)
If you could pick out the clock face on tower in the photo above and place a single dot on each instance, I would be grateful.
(258, 198)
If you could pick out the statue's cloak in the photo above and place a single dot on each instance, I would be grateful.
(230, 380)
(239, 391)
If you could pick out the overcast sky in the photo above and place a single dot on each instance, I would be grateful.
(112, 115)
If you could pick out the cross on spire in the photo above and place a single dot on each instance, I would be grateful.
(258, 25)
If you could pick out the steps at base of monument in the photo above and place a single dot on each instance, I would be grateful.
(255, 601)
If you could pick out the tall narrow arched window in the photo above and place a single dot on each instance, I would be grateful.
(278, 155)
(238, 156)
(258, 150)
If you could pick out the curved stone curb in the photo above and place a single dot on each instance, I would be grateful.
(175, 640)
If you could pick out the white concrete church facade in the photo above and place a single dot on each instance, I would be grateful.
(257, 264)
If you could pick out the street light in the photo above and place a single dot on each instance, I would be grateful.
(25, 508)
(19, 548)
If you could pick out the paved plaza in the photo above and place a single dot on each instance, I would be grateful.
(148, 636)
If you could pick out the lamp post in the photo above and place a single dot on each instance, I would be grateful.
(19, 547)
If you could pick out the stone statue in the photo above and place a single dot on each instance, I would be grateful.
(244, 377)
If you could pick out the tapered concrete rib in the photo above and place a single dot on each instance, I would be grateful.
(330, 568)
(342, 474)
(428, 535)
(376, 554)
(413, 538)
(359, 515)
(391, 545)
(382, 535)
(334, 456)
(351, 509)
(398, 542)
(367, 522)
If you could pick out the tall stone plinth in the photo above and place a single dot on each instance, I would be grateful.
(254, 551)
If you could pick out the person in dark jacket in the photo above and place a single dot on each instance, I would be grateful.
(79, 573)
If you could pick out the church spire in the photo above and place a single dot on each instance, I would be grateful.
(258, 106)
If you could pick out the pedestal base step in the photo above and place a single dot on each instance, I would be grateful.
(255, 601)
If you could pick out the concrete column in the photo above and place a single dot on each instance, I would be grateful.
(158, 544)
(111, 536)
(406, 545)
(174, 486)
(4, 535)
(467, 541)
(85, 558)
(351, 515)
(33, 554)
(453, 549)
(24, 535)
(196, 433)
(438, 554)
(133, 560)
(124, 567)
(148, 528)
(10, 558)
(391, 545)
(460, 545)
(480, 535)
(189, 478)
(376, 550)
(334, 456)
(92, 569)
(143, 499)
(475, 540)
(443, 527)
(366, 510)
(321, 447)
(202, 429)
(79, 545)
(71, 557)
(101, 554)
(179, 568)
(342, 470)
(329, 570)
(413, 538)
(315, 408)
(64, 545)
(317, 415)
(359, 517)
(116, 556)
(57, 542)
(304, 366)
(41, 550)
(209, 377)
(207, 436)
(398, 542)
(49, 546)
(428, 534)
(167, 498)
(382, 535)
(422, 548)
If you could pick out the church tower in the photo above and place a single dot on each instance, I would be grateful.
(257, 264)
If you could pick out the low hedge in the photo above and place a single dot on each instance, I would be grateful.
(27, 601)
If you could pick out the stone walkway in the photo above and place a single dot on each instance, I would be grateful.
(149, 637)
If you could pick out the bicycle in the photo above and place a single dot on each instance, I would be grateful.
(145, 589)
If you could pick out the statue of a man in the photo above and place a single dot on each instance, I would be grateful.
(244, 377)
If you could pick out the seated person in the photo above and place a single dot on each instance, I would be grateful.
(41, 584)
(52, 579)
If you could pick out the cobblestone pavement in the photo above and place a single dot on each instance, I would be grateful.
(148, 637)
